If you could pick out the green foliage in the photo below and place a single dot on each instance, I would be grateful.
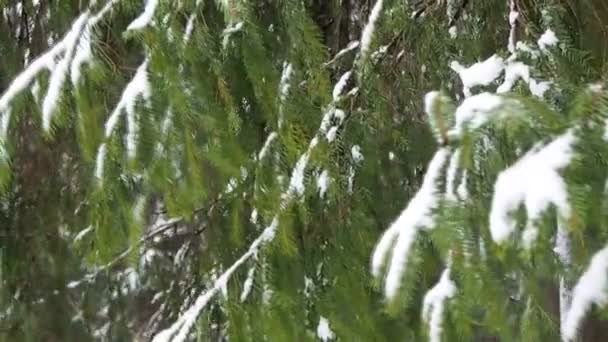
(166, 222)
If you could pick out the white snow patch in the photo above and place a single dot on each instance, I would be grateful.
(475, 111)
(453, 31)
(339, 115)
(138, 86)
(230, 30)
(296, 182)
(534, 181)
(355, 152)
(25, 78)
(350, 47)
(480, 73)
(462, 190)
(271, 137)
(539, 89)
(82, 234)
(370, 27)
(451, 175)
(233, 28)
(324, 332)
(339, 87)
(284, 82)
(60, 72)
(100, 161)
(189, 28)
(248, 284)
(331, 134)
(433, 305)
(254, 216)
(513, 72)
(418, 214)
(547, 40)
(145, 18)
(83, 55)
(323, 183)
(590, 289)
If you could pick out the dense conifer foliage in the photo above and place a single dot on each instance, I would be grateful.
(303, 170)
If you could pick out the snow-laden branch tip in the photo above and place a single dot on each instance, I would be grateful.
(296, 183)
(539, 88)
(60, 71)
(513, 72)
(402, 233)
(248, 284)
(547, 40)
(229, 31)
(590, 289)
(271, 137)
(339, 87)
(145, 17)
(434, 302)
(81, 234)
(323, 183)
(324, 332)
(190, 24)
(83, 55)
(284, 86)
(533, 180)
(350, 47)
(78, 37)
(479, 74)
(474, 112)
(139, 86)
(370, 27)
(450, 189)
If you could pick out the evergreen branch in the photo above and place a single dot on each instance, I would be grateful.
(47, 60)
(178, 331)
(158, 230)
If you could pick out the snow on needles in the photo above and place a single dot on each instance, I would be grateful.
(370, 27)
(339, 87)
(324, 332)
(60, 71)
(432, 306)
(418, 214)
(179, 330)
(474, 112)
(534, 181)
(82, 56)
(323, 183)
(139, 86)
(547, 40)
(479, 74)
(145, 18)
(590, 289)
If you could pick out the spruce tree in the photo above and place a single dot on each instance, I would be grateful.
(287, 170)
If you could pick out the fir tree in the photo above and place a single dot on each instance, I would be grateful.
(284, 170)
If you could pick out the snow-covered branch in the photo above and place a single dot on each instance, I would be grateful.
(74, 49)
(590, 290)
(434, 302)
